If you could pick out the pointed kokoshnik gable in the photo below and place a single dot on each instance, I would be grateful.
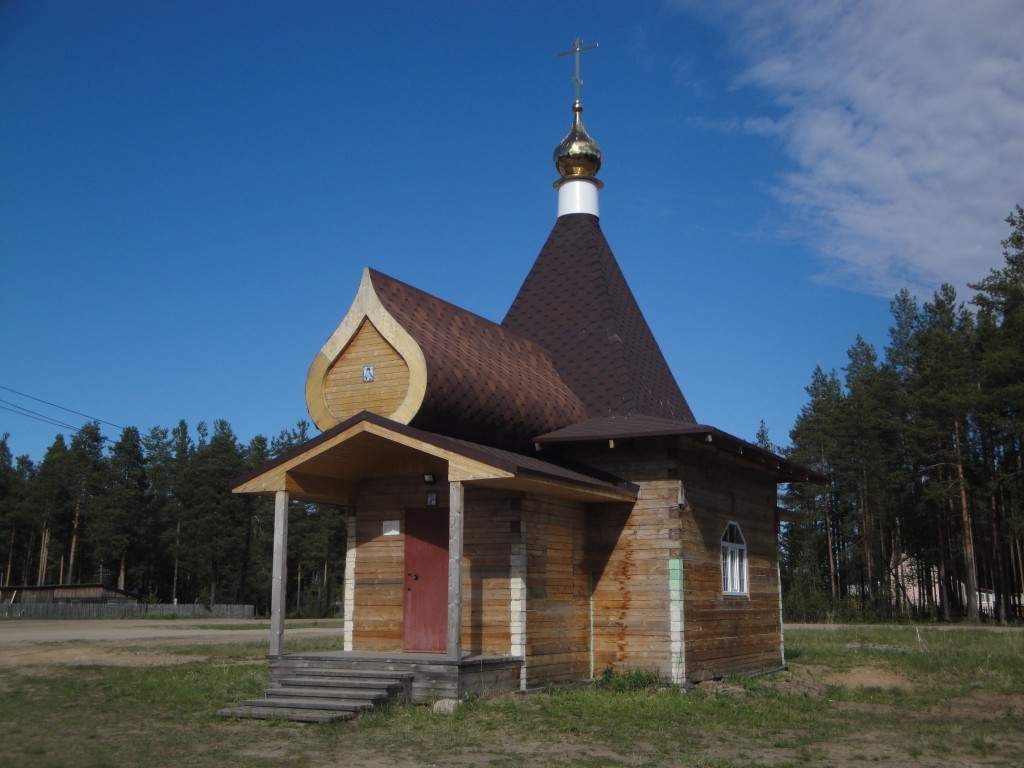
(576, 303)
(415, 359)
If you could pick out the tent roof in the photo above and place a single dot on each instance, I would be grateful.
(576, 303)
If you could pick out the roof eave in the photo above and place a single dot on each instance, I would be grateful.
(782, 469)
(466, 461)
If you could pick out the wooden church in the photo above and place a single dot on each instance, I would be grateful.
(531, 500)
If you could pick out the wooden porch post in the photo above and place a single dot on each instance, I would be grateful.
(455, 503)
(350, 582)
(277, 589)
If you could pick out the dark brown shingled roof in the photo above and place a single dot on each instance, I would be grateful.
(620, 427)
(485, 383)
(576, 303)
(625, 427)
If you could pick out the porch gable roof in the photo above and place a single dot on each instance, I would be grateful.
(327, 468)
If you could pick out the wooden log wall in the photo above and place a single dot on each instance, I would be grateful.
(492, 525)
(561, 550)
(379, 562)
(633, 605)
(557, 591)
(492, 521)
(630, 561)
(726, 634)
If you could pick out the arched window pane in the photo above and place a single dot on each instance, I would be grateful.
(734, 561)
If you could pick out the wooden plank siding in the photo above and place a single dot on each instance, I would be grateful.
(632, 552)
(630, 560)
(729, 634)
(344, 390)
(491, 528)
(575, 588)
(557, 641)
(380, 566)
(490, 519)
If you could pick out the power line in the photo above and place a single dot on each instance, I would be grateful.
(22, 411)
(54, 405)
(19, 410)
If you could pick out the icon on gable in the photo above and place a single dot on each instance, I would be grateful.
(367, 373)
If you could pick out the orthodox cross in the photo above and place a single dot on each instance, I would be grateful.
(577, 47)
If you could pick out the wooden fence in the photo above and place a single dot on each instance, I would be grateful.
(123, 611)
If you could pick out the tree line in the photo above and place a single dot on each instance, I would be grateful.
(922, 446)
(921, 513)
(153, 514)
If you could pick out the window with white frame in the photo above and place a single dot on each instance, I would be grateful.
(734, 561)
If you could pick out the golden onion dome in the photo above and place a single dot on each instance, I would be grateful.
(577, 154)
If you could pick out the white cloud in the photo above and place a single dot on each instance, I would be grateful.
(905, 123)
(758, 126)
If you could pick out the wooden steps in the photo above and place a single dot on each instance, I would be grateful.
(321, 694)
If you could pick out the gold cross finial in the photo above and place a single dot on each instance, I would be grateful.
(577, 48)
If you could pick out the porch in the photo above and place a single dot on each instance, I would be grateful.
(340, 465)
(326, 686)
(434, 675)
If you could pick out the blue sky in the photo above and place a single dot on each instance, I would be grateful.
(190, 190)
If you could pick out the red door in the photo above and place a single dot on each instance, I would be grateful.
(426, 580)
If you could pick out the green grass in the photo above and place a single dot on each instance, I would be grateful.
(945, 697)
(943, 660)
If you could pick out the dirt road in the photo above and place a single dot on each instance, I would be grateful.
(125, 641)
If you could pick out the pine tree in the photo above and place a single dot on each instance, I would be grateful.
(809, 547)
(118, 530)
(870, 460)
(157, 570)
(943, 390)
(183, 455)
(1000, 299)
(214, 525)
(15, 520)
(51, 504)
(86, 476)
